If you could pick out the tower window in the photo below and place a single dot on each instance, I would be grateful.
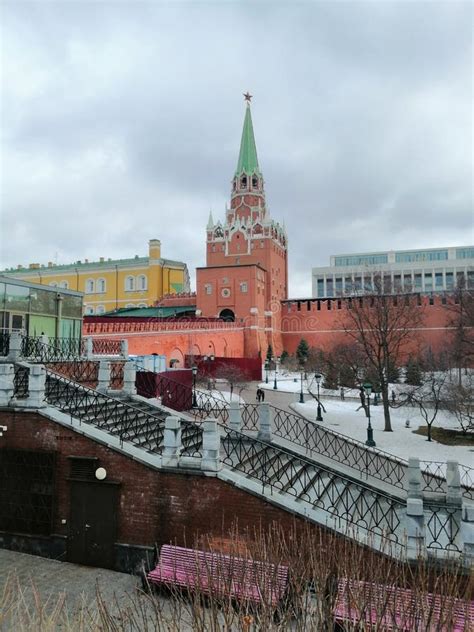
(254, 182)
(243, 182)
(244, 287)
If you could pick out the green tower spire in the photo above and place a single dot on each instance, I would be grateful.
(248, 161)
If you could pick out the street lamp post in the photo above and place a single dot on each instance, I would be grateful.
(194, 369)
(266, 371)
(370, 433)
(302, 375)
(319, 417)
(275, 385)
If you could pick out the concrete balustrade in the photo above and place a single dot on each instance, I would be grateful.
(467, 533)
(36, 387)
(124, 349)
(14, 353)
(415, 528)
(129, 379)
(211, 443)
(171, 441)
(88, 347)
(103, 384)
(413, 479)
(235, 416)
(7, 377)
(265, 422)
(453, 481)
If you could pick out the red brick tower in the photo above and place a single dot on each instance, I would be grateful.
(246, 276)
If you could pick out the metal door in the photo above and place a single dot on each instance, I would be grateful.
(93, 523)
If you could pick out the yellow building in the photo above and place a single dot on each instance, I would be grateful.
(110, 284)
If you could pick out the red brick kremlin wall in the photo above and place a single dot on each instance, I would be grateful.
(318, 321)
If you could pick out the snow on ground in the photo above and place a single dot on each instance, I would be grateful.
(343, 417)
(224, 396)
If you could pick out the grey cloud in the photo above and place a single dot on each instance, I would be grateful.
(122, 122)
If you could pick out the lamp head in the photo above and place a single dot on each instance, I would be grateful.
(367, 387)
(194, 369)
(317, 377)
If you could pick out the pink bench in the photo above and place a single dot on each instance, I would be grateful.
(391, 607)
(220, 575)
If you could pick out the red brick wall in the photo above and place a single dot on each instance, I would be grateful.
(155, 506)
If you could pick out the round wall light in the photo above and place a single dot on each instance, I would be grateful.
(100, 473)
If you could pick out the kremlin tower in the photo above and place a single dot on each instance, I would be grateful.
(246, 276)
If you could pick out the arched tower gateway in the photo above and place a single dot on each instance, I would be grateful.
(246, 276)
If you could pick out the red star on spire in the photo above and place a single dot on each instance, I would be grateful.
(247, 96)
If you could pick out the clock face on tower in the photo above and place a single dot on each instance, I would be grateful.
(225, 292)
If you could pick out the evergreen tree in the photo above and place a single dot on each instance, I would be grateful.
(413, 373)
(269, 353)
(330, 376)
(302, 351)
(284, 356)
(393, 372)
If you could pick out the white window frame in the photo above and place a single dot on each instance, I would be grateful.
(64, 285)
(53, 284)
(130, 305)
(101, 285)
(99, 310)
(142, 305)
(88, 310)
(90, 286)
(208, 288)
(130, 280)
(244, 287)
(142, 282)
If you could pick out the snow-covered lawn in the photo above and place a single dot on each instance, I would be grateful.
(342, 417)
(224, 396)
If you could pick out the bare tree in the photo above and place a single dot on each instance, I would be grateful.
(234, 376)
(461, 323)
(382, 325)
(459, 401)
(429, 397)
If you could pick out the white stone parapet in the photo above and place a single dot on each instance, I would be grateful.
(211, 443)
(104, 376)
(453, 480)
(7, 377)
(265, 422)
(415, 528)
(36, 387)
(88, 347)
(235, 416)
(129, 378)
(124, 349)
(171, 441)
(14, 352)
(413, 479)
(467, 532)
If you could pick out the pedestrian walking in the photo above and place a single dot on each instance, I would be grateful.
(362, 399)
(342, 393)
(262, 395)
(394, 397)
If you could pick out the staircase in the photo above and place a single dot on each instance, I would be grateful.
(318, 490)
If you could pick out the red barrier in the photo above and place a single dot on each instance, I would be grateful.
(174, 387)
(241, 369)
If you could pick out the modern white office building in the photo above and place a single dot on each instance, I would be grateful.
(429, 270)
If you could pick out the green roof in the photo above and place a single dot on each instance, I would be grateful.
(120, 263)
(151, 312)
(248, 161)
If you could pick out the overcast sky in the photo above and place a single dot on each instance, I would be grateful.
(121, 122)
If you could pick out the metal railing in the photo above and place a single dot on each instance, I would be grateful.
(4, 342)
(442, 527)
(21, 382)
(348, 502)
(317, 439)
(127, 421)
(104, 346)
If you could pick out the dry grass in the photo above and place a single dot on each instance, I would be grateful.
(315, 559)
